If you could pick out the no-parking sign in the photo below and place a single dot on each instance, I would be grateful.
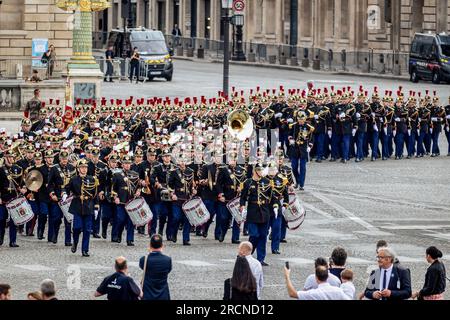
(238, 5)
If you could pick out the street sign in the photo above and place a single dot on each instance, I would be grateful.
(238, 5)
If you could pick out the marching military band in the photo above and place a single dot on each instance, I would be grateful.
(154, 164)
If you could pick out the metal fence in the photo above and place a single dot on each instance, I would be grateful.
(22, 68)
(362, 60)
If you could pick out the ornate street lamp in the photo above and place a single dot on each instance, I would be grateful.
(238, 21)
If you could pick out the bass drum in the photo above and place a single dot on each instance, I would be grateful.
(20, 211)
(139, 212)
(196, 212)
(295, 213)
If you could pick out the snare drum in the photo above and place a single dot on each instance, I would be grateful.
(64, 206)
(139, 212)
(196, 212)
(234, 206)
(294, 214)
(20, 211)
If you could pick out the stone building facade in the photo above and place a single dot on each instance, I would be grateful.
(327, 24)
(23, 20)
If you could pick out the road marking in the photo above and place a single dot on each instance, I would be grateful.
(381, 199)
(324, 233)
(354, 260)
(133, 264)
(345, 212)
(298, 260)
(196, 263)
(317, 210)
(410, 259)
(228, 260)
(34, 267)
(91, 266)
(416, 227)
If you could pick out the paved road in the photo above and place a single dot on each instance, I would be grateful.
(354, 205)
(205, 78)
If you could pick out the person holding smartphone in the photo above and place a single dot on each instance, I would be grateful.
(134, 63)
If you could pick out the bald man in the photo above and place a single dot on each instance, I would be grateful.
(119, 286)
(245, 250)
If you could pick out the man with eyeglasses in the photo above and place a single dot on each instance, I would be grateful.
(389, 281)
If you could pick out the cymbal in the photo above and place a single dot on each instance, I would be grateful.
(34, 180)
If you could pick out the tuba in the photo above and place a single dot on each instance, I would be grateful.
(240, 124)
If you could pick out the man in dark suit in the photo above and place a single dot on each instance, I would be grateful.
(389, 281)
(157, 267)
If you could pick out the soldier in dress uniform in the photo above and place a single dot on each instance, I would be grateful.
(447, 125)
(256, 196)
(280, 201)
(98, 169)
(437, 119)
(413, 116)
(361, 118)
(301, 141)
(10, 188)
(106, 197)
(231, 179)
(126, 188)
(59, 177)
(148, 190)
(424, 121)
(44, 197)
(400, 126)
(160, 179)
(84, 188)
(182, 182)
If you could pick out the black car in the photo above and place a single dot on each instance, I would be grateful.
(429, 58)
(156, 57)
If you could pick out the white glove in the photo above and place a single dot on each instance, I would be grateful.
(373, 114)
(358, 115)
(291, 142)
(64, 197)
(278, 115)
(419, 119)
(431, 130)
(447, 128)
(381, 120)
(353, 132)
(394, 133)
(397, 119)
(308, 149)
(330, 134)
(434, 119)
(385, 130)
(375, 127)
(342, 115)
(448, 117)
(316, 116)
(95, 214)
(275, 211)
(409, 132)
(290, 120)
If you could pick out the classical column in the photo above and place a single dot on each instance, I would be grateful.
(82, 39)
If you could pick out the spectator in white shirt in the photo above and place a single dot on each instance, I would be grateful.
(347, 283)
(245, 250)
(311, 283)
(324, 291)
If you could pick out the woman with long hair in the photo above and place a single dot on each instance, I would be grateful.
(242, 286)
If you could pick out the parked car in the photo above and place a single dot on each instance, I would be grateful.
(429, 58)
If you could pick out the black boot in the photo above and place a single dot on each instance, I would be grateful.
(85, 254)
(130, 243)
(2, 237)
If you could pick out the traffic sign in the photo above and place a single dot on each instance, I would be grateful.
(238, 5)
